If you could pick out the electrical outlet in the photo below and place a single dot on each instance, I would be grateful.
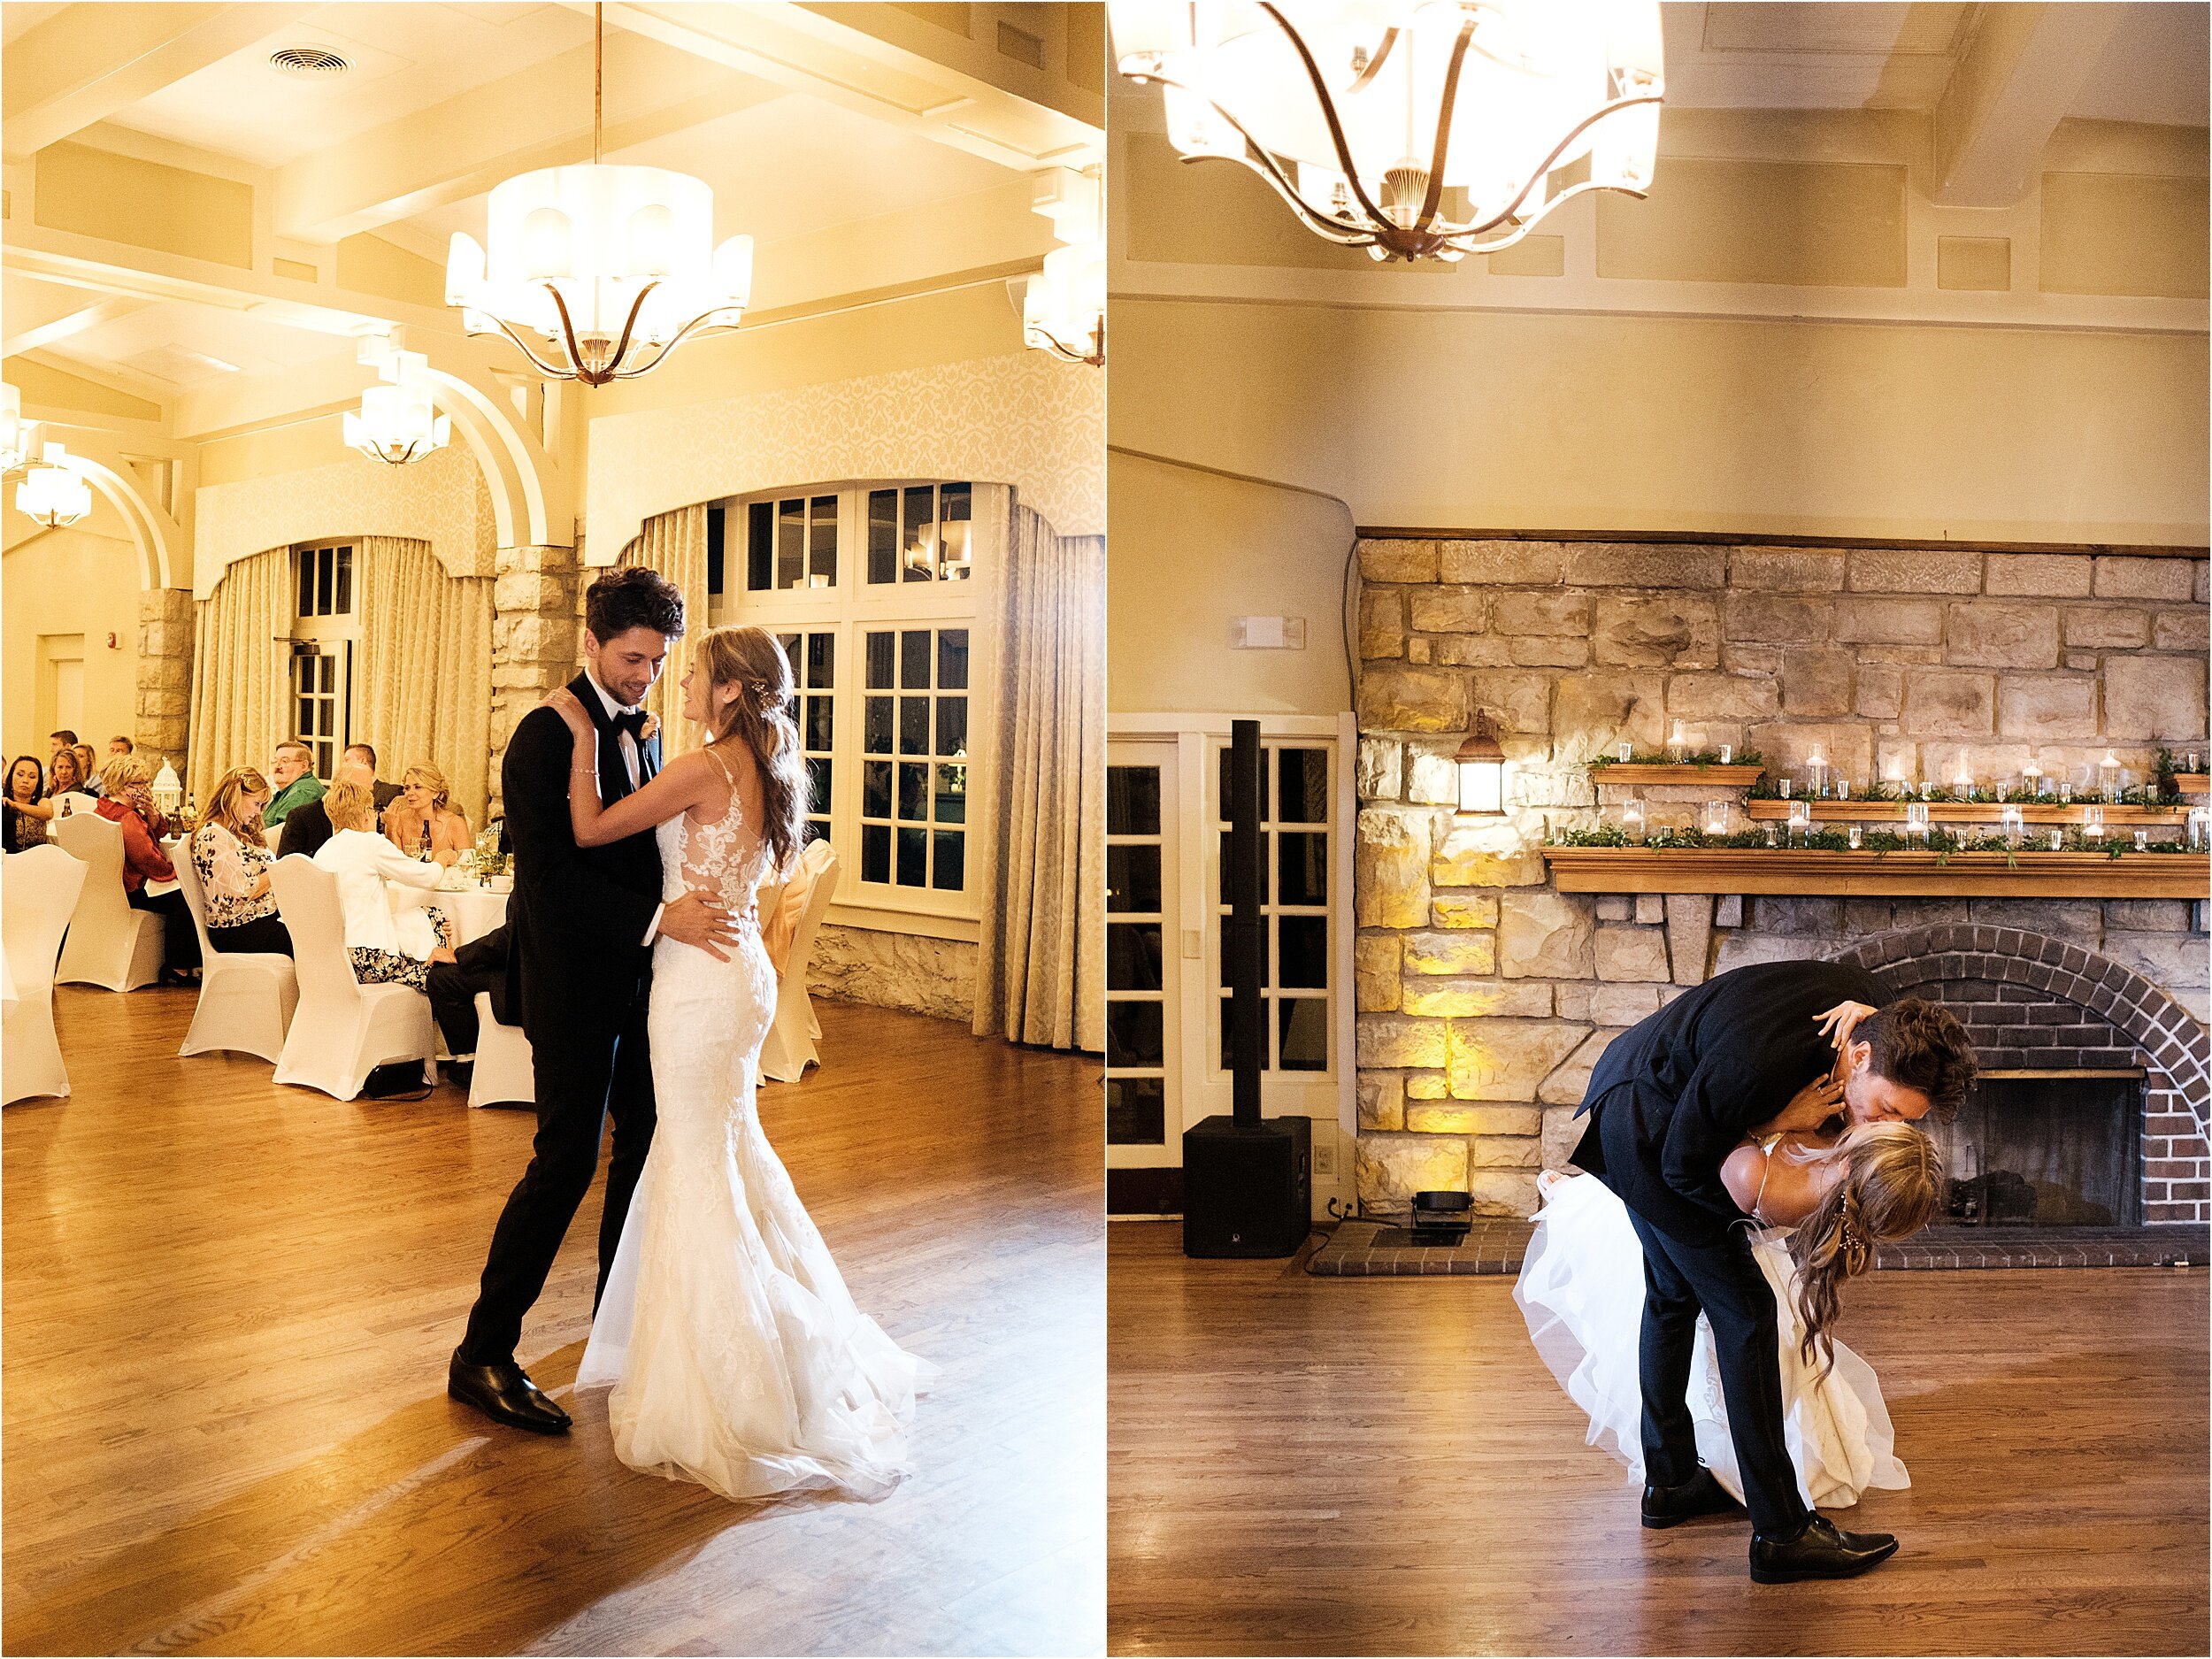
(1324, 1155)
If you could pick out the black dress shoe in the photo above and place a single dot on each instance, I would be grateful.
(1822, 1550)
(505, 1395)
(1701, 1494)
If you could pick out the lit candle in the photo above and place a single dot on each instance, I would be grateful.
(1853, 834)
(2058, 840)
(1632, 819)
(1727, 753)
(2142, 840)
(2109, 777)
(1963, 785)
(2198, 819)
(1784, 786)
(2013, 825)
(1677, 743)
(1717, 818)
(1819, 767)
(2032, 779)
(1623, 750)
(2093, 823)
(1800, 821)
(2066, 791)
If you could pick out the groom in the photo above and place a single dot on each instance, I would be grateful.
(580, 928)
(1668, 1102)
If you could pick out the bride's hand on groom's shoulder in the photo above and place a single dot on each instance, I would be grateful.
(562, 702)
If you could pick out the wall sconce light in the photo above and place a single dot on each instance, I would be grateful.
(1481, 765)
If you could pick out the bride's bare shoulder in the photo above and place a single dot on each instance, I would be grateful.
(1742, 1172)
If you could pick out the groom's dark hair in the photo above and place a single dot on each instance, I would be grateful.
(631, 596)
(1920, 1045)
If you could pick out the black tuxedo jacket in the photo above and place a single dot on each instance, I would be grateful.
(1674, 1094)
(577, 918)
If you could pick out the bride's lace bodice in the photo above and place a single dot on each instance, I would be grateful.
(727, 857)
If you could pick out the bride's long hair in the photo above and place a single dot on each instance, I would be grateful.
(751, 660)
(1891, 1187)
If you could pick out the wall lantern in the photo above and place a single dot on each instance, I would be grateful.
(1481, 765)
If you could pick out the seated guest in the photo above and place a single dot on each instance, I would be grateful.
(479, 965)
(143, 861)
(233, 863)
(67, 793)
(89, 768)
(292, 769)
(26, 809)
(365, 754)
(309, 827)
(57, 741)
(424, 823)
(388, 944)
(121, 745)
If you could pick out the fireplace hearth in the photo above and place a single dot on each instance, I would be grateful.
(2042, 1148)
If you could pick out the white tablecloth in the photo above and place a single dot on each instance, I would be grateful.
(473, 911)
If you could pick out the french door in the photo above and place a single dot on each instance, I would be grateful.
(1168, 1018)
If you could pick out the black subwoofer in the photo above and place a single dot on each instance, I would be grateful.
(1248, 1188)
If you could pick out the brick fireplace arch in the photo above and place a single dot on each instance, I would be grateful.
(2128, 1019)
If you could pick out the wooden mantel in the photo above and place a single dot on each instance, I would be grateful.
(1755, 870)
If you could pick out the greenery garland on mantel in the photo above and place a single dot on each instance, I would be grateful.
(1700, 759)
(1941, 841)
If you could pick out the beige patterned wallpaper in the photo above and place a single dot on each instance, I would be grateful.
(1028, 420)
(440, 499)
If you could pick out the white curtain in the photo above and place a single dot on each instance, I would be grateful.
(675, 544)
(1040, 973)
(240, 693)
(423, 674)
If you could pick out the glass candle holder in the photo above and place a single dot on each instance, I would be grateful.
(1623, 749)
(1717, 818)
(2142, 840)
(2189, 761)
(2031, 781)
(1769, 829)
(1784, 786)
(2066, 791)
(2109, 777)
(1677, 743)
(1727, 754)
(1927, 788)
(2012, 819)
(2199, 818)
(1800, 822)
(2093, 823)
(1632, 819)
(2058, 840)
(1817, 776)
(2003, 789)
(1855, 836)
(1916, 822)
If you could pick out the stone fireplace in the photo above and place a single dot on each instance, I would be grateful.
(1486, 994)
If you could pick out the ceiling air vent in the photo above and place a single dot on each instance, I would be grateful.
(308, 63)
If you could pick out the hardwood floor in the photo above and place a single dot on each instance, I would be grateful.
(229, 1309)
(1302, 1466)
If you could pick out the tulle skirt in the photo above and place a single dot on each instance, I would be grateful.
(1581, 1290)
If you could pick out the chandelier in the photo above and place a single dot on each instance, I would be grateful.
(397, 422)
(52, 492)
(1063, 308)
(611, 267)
(19, 437)
(1416, 129)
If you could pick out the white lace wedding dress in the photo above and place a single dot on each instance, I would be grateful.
(1581, 1290)
(736, 1356)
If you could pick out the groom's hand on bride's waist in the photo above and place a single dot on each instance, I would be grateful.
(700, 921)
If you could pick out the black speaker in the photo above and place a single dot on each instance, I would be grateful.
(1248, 1188)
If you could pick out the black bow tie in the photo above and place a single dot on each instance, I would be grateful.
(633, 723)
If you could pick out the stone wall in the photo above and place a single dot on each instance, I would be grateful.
(926, 976)
(1485, 995)
(163, 723)
(536, 630)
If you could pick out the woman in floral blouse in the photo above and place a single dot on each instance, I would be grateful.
(233, 863)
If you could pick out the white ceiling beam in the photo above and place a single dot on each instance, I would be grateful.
(49, 333)
(130, 383)
(539, 117)
(2022, 71)
(813, 54)
(88, 62)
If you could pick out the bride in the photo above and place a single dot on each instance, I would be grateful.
(735, 1354)
(1824, 1203)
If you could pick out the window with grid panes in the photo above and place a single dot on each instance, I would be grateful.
(813, 658)
(791, 543)
(914, 758)
(322, 686)
(1136, 1003)
(919, 533)
(325, 579)
(1294, 894)
(319, 671)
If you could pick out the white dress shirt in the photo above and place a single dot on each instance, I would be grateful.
(630, 760)
(375, 918)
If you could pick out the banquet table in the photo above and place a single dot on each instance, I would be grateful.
(473, 910)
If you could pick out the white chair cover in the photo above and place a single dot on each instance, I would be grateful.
(503, 1070)
(37, 896)
(789, 1047)
(246, 997)
(341, 1030)
(110, 944)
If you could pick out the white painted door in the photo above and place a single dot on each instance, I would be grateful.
(1145, 950)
